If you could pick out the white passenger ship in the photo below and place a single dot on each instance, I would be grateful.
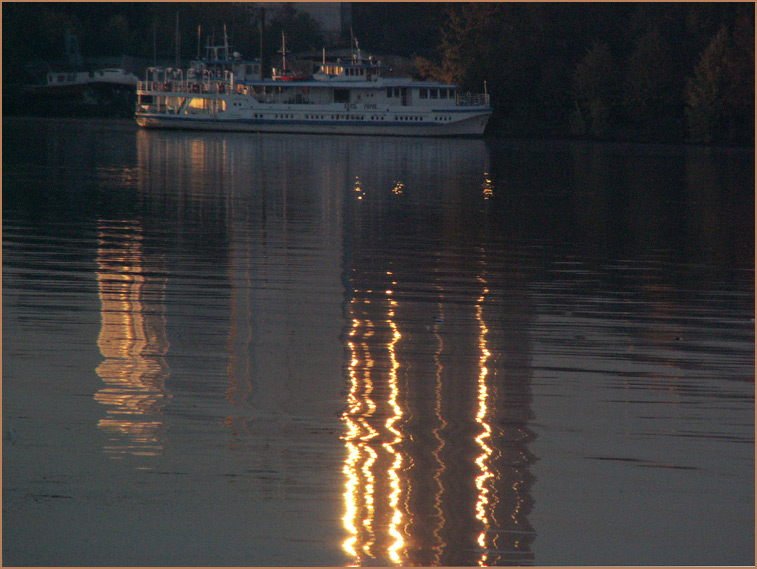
(343, 97)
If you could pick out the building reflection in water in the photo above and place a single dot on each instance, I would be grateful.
(437, 423)
(132, 340)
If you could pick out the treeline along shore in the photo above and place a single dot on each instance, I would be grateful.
(632, 71)
(649, 72)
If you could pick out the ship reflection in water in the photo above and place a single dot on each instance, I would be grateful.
(435, 432)
(132, 340)
(323, 244)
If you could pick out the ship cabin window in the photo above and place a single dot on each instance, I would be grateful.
(341, 95)
(434, 93)
(331, 69)
(423, 93)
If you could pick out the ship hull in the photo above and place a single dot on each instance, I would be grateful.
(471, 126)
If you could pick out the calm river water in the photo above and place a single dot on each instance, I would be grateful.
(225, 349)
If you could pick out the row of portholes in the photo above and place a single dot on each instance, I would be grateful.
(408, 118)
(317, 117)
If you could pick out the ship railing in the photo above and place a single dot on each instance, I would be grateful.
(172, 81)
(186, 87)
(472, 100)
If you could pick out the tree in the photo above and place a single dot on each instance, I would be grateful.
(52, 29)
(740, 65)
(119, 35)
(651, 95)
(705, 91)
(596, 91)
(720, 94)
(302, 31)
(398, 28)
(492, 42)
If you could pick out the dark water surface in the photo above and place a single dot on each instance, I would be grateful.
(224, 349)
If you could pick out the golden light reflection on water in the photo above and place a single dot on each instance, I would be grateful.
(487, 187)
(436, 471)
(133, 342)
(374, 459)
(359, 406)
(440, 424)
(394, 497)
(359, 188)
(482, 502)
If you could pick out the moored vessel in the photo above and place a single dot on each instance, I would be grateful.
(224, 92)
(67, 83)
(73, 88)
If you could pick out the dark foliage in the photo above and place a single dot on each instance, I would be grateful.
(399, 28)
(658, 71)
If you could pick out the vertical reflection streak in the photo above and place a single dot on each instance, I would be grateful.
(132, 340)
(360, 479)
(486, 451)
(374, 529)
(353, 450)
(397, 462)
(368, 432)
(240, 333)
(350, 497)
(368, 500)
(441, 424)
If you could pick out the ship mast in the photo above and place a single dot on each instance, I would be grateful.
(225, 44)
(354, 46)
(283, 52)
(177, 40)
